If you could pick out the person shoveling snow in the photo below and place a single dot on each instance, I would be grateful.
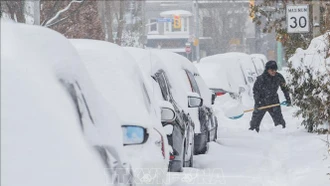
(265, 93)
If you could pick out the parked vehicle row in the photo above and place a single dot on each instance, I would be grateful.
(133, 113)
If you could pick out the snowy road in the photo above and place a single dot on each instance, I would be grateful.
(274, 157)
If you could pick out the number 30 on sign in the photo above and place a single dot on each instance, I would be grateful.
(297, 18)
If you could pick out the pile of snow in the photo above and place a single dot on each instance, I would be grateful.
(315, 60)
(41, 138)
(314, 57)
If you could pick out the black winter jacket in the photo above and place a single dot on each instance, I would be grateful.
(265, 89)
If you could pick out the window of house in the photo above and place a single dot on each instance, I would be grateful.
(153, 25)
(169, 27)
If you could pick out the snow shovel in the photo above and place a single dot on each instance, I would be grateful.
(284, 103)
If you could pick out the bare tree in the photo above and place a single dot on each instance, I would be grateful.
(74, 18)
(14, 10)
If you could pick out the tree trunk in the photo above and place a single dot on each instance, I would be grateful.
(121, 22)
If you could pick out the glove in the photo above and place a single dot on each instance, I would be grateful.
(288, 103)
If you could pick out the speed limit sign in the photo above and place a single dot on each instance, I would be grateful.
(297, 18)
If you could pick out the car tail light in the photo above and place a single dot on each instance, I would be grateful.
(172, 157)
(220, 93)
(162, 143)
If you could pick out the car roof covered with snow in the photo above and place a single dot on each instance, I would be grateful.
(56, 51)
(116, 74)
(41, 141)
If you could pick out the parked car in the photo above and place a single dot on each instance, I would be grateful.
(203, 117)
(183, 71)
(229, 63)
(118, 77)
(181, 135)
(207, 117)
(216, 79)
(50, 109)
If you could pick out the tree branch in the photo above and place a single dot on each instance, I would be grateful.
(65, 18)
(62, 11)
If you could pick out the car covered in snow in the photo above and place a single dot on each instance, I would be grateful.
(181, 131)
(50, 110)
(236, 70)
(118, 77)
(202, 116)
(208, 130)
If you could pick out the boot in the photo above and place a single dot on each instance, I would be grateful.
(254, 128)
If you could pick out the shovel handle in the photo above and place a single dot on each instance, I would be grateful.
(263, 108)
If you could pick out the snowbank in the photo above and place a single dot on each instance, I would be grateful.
(309, 79)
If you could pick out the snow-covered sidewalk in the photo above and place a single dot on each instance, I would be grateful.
(273, 157)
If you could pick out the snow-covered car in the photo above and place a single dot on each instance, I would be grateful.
(202, 116)
(117, 75)
(207, 118)
(236, 74)
(49, 110)
(181, 135)
(182, 71)
(259, 61)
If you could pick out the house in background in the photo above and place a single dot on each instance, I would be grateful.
(162, 31)
(224, 26)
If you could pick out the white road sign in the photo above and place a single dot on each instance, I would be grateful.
(297, 18)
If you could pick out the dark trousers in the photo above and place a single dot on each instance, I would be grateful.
(274, 112)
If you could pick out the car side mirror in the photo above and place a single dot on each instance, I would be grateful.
(194, 101)
(134, 135)
(168, 114)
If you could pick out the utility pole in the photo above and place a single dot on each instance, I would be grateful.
(36, 13)
(316, 18)
(197, 30)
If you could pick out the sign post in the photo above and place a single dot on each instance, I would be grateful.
(297, 18)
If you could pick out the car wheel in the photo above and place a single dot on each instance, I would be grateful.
(205, 149)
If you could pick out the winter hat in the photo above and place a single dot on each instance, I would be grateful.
(271, 65)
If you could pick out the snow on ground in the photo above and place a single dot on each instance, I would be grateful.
(273, 157)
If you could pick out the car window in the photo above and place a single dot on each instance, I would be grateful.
(83, 106)
(160, 78)
(193, 83)
(80, 103)
(187, 84)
